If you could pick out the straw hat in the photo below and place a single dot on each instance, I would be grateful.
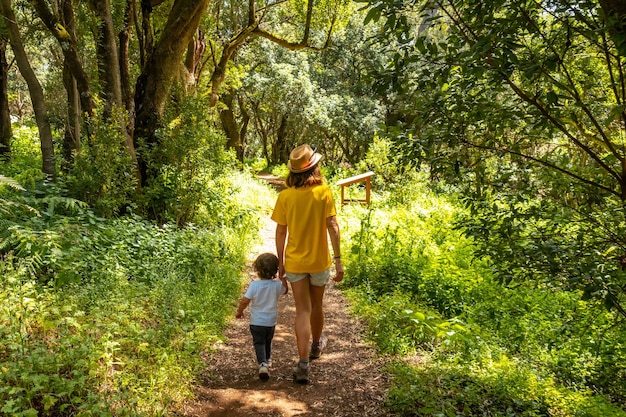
(302, 159)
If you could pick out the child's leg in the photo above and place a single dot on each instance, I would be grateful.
(259, 336)
(268, 342)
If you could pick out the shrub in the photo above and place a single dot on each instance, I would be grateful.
(103, 174)
(498, 387)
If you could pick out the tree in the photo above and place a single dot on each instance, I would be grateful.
(295, 26)
(157, 61)
(277, 99)
(154, 83)
(540, 87)
(36, 91)
(5, 116)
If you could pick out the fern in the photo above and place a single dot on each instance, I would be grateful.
(10, 182)
(8, 207)
(50, 203)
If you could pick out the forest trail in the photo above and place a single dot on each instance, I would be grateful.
(347, 381)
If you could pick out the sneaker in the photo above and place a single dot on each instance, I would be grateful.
(264, 372)
(317, 348)
(301, 374)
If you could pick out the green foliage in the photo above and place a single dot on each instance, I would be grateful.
(25, 164)
(534, 240)
(113, 316)
(410, 248)
(399, 326)
(190, 170)
(122, 330)
(7, 206)
(103, 174)
(280, 171)
(510, 104)
(47, 369)
(498, 387)
(494, 350)
(321, 98)
(383, 160)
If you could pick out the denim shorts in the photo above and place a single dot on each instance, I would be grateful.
(318, 279)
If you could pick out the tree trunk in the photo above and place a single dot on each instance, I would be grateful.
(229, 124)
(269, 157)
(195, 52)
(245, 120)
(281, 140)
(154, 83)
(71, 142)
(108, 62)
(70, 52)
(110, 70)
(5, 116)
(34, 87)
(124, 37)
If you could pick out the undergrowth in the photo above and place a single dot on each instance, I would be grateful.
(465, 345)
(113, 316)
(110, 317)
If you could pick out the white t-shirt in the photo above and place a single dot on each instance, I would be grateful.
(263, 295)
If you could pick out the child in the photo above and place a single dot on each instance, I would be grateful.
(262, 296)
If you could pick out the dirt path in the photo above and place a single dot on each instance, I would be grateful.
(346, 381)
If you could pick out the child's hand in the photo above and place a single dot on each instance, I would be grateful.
(239, 315)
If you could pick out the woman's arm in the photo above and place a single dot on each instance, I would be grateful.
(281, 239)
(335, 239)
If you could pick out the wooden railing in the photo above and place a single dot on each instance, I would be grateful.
(354, 180)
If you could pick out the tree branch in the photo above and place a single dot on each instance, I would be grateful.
(294, 46)
(544, 163)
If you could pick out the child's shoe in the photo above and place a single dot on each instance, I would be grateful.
(264, 372)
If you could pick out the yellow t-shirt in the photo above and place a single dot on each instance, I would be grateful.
(304, 211)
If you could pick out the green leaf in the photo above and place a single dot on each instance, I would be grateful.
(615, 113)
(373, 15)
(552, 98)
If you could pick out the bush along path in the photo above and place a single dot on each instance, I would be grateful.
(347, 380)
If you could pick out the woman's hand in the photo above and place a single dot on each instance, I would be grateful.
(339, 270)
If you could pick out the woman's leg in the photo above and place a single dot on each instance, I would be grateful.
(302, 299)
(317, 312)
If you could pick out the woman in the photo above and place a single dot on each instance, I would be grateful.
(305, 215)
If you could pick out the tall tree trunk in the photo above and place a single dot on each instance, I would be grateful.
(71, 142)
(34, 87)
(229, 123)
(70, 52)
(124, 38)
(108, 62)
(281, 139)
(5, 116)
(110, 69)
(195, 52)
(245, 120)
(154, 83)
